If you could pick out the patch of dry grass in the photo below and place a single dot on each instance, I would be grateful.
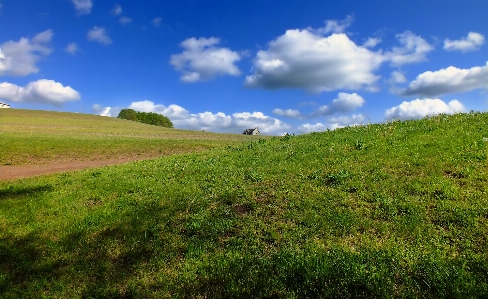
(41, 137)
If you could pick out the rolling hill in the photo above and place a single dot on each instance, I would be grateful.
(398, 209)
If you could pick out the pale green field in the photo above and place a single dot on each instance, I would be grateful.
(38, 137)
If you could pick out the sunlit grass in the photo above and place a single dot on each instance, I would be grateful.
(40, 137)
(386, 210)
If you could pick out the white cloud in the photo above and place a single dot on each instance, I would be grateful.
(72, 48)
(214, 122)
(98, 34)
(106, 111)
(305, 60)
(308, 128)
(125, 20)
(344, 103)
(398, 77)
(291, 113)
(83, 7)
(470, 43)
(421, 108)
(20, 58)
(41, 91)
(43, 37)
(201, 60)
(332, 124)
(157, 21)
(448, 80)
(343, 121)
(371, 42)
(414, 50)
(334, 26)
(116, 10)
(172, 111)
(97, 108)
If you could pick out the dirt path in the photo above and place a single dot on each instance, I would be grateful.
(8, 172)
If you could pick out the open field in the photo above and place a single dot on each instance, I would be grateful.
(43, 141)
(393, 210)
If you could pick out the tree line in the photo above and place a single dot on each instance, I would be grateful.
(150, 118)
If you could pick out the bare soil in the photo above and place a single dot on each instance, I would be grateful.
(11, 172)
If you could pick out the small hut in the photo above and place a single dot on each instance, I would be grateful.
(3, 105)
(254, 131)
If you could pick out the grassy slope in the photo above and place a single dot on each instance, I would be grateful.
(30, 136)
(385, 210)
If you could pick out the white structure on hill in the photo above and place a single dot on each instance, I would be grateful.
(3, 105)
(251, 131)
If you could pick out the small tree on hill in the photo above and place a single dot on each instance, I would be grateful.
(150, 118)
(128, 114)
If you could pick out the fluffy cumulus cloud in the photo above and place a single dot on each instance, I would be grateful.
(334, 26)
(344, 103)
(172, 111)
(304, 59)
(41, 91)
(20, 58)
(421, 108)
(371, 42)
(202, 60)
(309, 128)
(397, 77)
(72, 48)
(332, 123)
(106, 111)
(214, 122)
(291, 113)
(471, 43)
(414, 49)
(344, 121)
(99, 35)
(83, 7)
(448, 80)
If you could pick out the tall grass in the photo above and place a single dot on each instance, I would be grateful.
(380, 211)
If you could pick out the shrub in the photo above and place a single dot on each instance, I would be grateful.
(149, 118)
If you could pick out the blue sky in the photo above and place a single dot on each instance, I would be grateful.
(229, 65)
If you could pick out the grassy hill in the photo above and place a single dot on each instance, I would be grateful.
(40, 137)
(386, 210)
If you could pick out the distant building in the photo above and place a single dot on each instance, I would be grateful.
(3, 105)
(254, 131)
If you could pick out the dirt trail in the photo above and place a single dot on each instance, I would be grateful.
(10, 172)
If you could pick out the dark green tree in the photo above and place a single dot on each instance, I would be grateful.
(150, 118)
(128, 114)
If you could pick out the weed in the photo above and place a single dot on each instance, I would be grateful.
(338, 178)
(359, 145)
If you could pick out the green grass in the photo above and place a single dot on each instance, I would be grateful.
(393, 210)
(40, 137)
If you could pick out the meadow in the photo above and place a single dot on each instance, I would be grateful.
(41, 137)
(391, 210)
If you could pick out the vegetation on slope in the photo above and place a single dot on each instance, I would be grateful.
(40, 137)
(386, 210)
(149, 118)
